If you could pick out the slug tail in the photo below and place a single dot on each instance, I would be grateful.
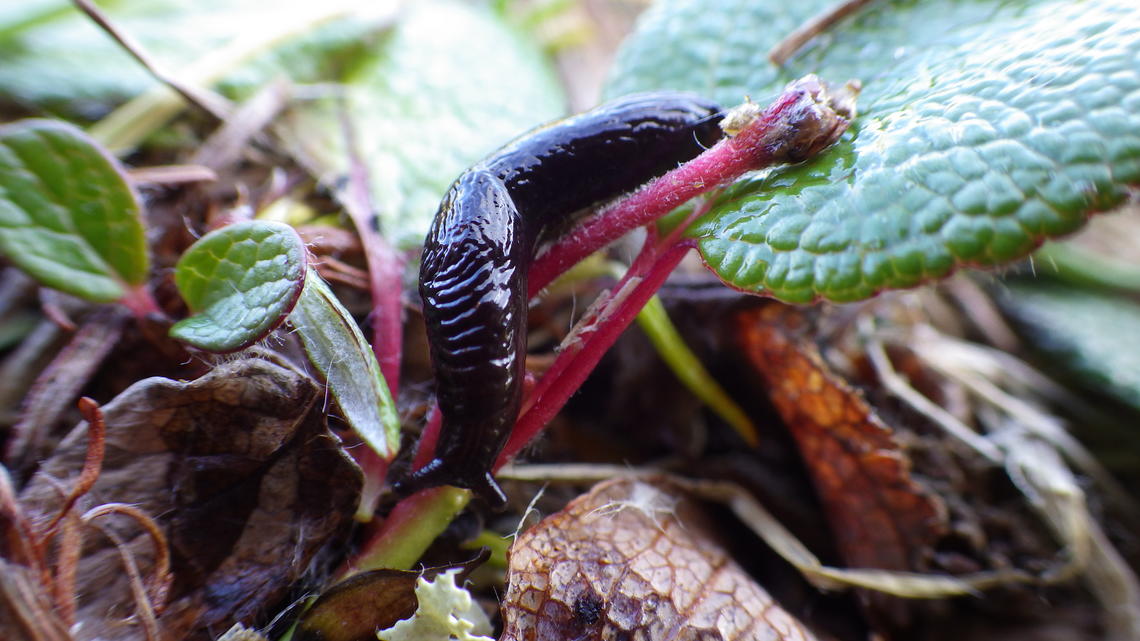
(437, 473)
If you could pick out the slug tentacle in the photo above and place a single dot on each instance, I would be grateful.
(474, 267)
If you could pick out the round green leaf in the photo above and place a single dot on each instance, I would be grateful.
(985, 127)
(241, 281)
(68, 216)
(448, 85)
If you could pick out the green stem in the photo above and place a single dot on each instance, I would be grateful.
(655, 322)
(1077, 266)
(408, 531)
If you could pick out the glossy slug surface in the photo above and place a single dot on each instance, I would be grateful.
(475, 260)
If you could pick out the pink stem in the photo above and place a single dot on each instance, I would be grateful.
(723, 162)
(803, 120)
(573, 365)
(140, 302)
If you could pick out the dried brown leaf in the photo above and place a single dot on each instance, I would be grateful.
(880, 516)
(634, 560)
(237, 467)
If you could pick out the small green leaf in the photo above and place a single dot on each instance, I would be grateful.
(241, 281)
(68, 216)
(447, 86)
(985, 127)
(1093, 335)
(338, 350)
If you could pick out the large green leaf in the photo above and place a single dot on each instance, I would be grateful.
(68, 216)
(55, 56)
(449, 84)
(985, 126)
(241, 281)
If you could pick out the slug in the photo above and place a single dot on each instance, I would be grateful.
(473, 271)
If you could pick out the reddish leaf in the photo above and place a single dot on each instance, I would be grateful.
(880, 516)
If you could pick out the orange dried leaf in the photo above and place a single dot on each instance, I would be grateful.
(634, 560)
(880, 516)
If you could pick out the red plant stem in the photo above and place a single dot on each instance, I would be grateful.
(573, 365)
(428, 438)
(385, 269)
(723, 162)
(139, 300)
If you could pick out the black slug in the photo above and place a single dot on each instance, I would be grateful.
(474, 266)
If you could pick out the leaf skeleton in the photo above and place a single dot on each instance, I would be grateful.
(489, 227)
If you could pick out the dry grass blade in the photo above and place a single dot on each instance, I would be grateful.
(819, 23)
(209, 102)
(158, 588)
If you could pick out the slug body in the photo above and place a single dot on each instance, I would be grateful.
(473, 274)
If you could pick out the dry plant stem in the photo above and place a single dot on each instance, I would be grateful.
(158, 589)
(61, 381)
(815, 25)
(171, 175)
(225, 146)
(92, 462)
(900, 388)
(24, 547)
(67, 567)
(211, 103)
(144, 609)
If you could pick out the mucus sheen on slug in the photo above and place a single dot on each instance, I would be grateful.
(473, 271)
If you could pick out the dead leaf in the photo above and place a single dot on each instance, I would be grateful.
(355, 608)
(880, 516)
(237, 467)
(634, 560)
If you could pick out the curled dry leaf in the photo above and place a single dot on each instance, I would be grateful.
(634, 560)
(881, 517)
(239, 470)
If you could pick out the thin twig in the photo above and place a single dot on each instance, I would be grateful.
(171, 175)
(143, 605)
(896, 385)
(158, 588)
(224, 146)
(69, 548)
(814, 26)
(207, 101)
(92, 462)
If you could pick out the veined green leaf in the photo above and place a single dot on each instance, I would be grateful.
(68, 216)
(338, 350)
(241, 281)
(985, 127)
